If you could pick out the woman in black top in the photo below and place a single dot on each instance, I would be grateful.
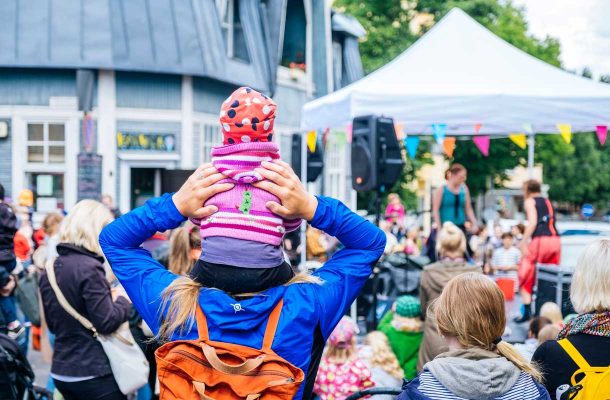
(80, 367)
(589, 332)
(544, 246)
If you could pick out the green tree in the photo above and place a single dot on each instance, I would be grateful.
(586, 73)
(605, 78)
(387, 26)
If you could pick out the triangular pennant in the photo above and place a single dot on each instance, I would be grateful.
(528, 128)
(411, 143)
(519, 139)
(482, 143)
(566, 132)
(477, 128)
(348, 133)
(311, 141)
(602, 133)
(399, 132)
(325, 137)
(340, 138)
(449, 146)
(439, 131)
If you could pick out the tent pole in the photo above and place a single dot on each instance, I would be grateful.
(531, 141)
(304, 181)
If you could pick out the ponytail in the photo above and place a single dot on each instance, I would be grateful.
(507, 351)
(180, 299)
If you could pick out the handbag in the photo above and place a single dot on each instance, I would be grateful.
(26, 294)
(128, 363)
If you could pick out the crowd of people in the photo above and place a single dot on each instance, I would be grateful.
(198, 294)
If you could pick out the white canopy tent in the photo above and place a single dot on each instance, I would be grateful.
(461, 74)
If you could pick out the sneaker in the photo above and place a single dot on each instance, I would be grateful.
(526, 314)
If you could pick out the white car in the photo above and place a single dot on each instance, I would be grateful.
(572, 246)
(583, 228)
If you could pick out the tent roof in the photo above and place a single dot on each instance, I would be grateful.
(461, 74)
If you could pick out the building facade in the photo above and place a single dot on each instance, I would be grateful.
(108, 96)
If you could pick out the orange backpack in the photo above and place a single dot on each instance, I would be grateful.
(203, 369)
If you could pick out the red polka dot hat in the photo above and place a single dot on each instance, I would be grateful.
(247, 116)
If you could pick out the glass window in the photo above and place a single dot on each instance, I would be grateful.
(295, 37)
(56, 132)
(36, 132)
(46, 143)
(48, 191)
(232, 30)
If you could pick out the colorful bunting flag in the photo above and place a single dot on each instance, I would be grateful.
(399, 131)
(566, 132)
(519, 139)
(325, 137)
(348, 132)
(411, 143)
(477, 128)
(528, 128)
(602, 133)
(439, 131)
(482, 143)
(340, 139)
(449, 146)
(311, 141)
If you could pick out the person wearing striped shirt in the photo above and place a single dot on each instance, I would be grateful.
(506, 259)
(470, 315)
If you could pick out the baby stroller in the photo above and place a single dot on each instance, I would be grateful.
(16, 374)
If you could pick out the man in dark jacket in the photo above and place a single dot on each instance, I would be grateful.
(8, 228)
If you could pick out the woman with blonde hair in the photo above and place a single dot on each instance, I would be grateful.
(381, 360)
(471, 315)
(309, 310)
(450, 245)
(184, 249)
(588, 334)
(80, 368)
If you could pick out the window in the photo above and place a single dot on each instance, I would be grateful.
(295, 36)
(211, 138)
(48, 191)
(232, 30)
(46, 143)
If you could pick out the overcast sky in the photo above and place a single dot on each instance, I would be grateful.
(582, 27)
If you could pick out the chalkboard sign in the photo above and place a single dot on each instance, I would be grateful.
(89, 176)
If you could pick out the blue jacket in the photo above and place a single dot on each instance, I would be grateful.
(307, 307)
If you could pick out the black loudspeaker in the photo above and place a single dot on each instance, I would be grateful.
(172, 179)
(376, 155)
(553, 284)
(315, 160)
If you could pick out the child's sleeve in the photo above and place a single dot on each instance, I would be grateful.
(292, 224)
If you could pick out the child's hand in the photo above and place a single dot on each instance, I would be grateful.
(197, 189)
(281, 181)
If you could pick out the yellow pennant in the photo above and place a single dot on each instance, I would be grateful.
(519, 139)
(311, 141)
(449, 146)
(566, 132)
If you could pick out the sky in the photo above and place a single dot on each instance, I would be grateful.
(582, 27)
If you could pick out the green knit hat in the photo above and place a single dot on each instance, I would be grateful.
(408, 306)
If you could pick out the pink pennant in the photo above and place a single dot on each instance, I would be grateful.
(348, 132)
(602, 133)
(482, 143)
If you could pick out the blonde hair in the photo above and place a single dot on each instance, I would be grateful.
(340, 355)
(181, 299)
(548, 332)
(471, 308)
(183, 240)
(590, 289)
(84, 223)
(450, 239)
(382, 354)
(551, 311)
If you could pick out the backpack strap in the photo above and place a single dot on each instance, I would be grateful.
(569, 348)
(202, 324)
(274, 319)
